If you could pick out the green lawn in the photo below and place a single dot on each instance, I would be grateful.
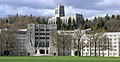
(57, 59)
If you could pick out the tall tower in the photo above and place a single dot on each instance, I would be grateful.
(59, 11)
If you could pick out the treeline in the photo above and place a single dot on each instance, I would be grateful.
(21, 21)
(70, 25)
(108, 23)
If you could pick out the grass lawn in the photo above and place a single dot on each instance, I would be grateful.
(57, 59)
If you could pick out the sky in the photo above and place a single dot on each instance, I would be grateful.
(89, 8)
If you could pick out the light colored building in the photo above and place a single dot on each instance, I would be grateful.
(114, 46)
(40, 38)
(59, 12)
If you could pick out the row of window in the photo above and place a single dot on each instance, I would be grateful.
(41, 29)
(100, 53)
(41, 44)
(42, 33)
(98, 50)
(41, 37)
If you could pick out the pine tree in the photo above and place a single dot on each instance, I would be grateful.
(59, 22)
(74, 24)
(113, 16)
(107, 17)
(69, 23)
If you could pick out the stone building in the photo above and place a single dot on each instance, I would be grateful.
(21, 41)
(40, 39)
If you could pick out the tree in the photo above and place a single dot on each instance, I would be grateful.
(113, 16)
(104, 44)
(107, 17)
(118, 17)
(94, 38)
(74, 24)
(78, 43)
(8, 40)
(113, 25)
(101, 23)
(59, 22)
(62, 42)
(69, 24)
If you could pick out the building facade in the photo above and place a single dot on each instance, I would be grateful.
(40, 38)
(21, 41)
(112, 50)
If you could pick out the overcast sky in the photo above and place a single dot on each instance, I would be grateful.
(89, 8)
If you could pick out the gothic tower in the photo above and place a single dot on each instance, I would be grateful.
(59, 11)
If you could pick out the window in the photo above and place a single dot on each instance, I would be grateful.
(36, 43)
(42, 37)
(36, 37)
(47, 43)
(115, 42)
(47, 29)
(41, 44)
(47, 37)
(118, 38)
(110, 39)
(36, 33)
(87, 46)
(114, 35)
(110, 35)
(18, 39)
(115, 39)
(42, 33)
(36, 29)
(42, 30)
(115, 49)
(115, 46)
(47, 34)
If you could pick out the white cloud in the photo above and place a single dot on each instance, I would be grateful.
(30, 3)
(89, 13)
(10, 10)
(46, 7)
(109, 3)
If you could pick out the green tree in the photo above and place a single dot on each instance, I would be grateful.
(101, 23)
(8, 41)
(69, 24)
(59, 23)
(113, 16)
(78, 42)
(94, 38)
(107, 17)
(62, 42)
(74, 24)
(118, 17)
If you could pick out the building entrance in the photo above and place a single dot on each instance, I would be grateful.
(42, 51)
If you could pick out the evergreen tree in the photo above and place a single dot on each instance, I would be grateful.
(107, 17)
(43, 21)
(69, 23)
(59, 22)
(101, 22)
(113, 16)
(74, 24)
(118, 17)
